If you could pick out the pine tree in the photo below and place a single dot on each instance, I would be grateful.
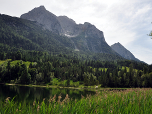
(25, 77)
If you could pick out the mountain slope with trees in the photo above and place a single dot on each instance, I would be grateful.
(23, 35)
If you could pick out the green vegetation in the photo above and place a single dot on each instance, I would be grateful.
(62, 70)
(27, 63)
(4, 62)
(128, 101)
(64, 83)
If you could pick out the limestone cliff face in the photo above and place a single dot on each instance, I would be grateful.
(44, 17)
(68, 26)
(92, 31)
(121, 50)
(71, 29)
(89, 38)
(86, 37)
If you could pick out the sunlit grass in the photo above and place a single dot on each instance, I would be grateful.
(27, 63)
(4, 62)
(130, 101)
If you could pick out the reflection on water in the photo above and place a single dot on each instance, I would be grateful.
(30, 94)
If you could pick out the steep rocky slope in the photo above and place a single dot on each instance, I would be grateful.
(121, 50)
(44, 17)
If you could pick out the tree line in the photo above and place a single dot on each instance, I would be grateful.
(43, 68)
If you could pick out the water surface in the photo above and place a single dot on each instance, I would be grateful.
(30, 94)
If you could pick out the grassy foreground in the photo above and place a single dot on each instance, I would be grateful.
(130, 101)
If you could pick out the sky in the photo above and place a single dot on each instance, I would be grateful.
(125, 21)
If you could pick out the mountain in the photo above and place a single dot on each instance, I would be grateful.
(91, 39)
(44, 17)
(68, 26)
(37, 31)
(25, 35)
(120, 49)
(85, 37)
(17, 33)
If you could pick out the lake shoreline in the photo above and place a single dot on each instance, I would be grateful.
(92, 88)
(51, 86)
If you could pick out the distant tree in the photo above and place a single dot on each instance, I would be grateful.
(33, 72)
(18, 55)
(1, 73)
(9, 70)
(25, 77)
(39, 78)
(68, 82)
(86, 79)
(8, 66)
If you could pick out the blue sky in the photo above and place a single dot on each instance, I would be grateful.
(124, 21)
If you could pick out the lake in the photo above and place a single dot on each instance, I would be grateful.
(30, 94)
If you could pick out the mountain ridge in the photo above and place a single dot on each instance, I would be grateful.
(121, 50)
(65, 34)
(86, 37)
(44, 17)
(22, 35)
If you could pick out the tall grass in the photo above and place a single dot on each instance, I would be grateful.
(130, 101)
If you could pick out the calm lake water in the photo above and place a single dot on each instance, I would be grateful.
(30, 94)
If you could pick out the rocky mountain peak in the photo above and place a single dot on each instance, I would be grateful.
(87, 24)
(41, 7)
(44, 17)
(65, 18)
(121, 50)
(91, 31)
(118, 45)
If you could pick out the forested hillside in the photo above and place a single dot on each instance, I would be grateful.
(65, 69)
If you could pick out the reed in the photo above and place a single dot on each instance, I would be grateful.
(130, 101)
